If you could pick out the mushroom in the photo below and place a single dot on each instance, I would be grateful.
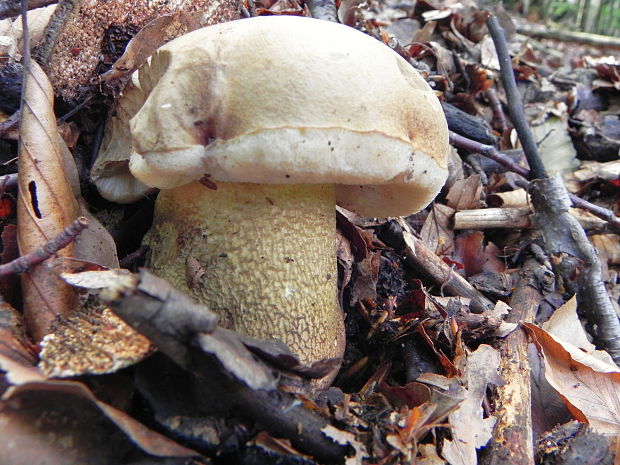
(284, 117)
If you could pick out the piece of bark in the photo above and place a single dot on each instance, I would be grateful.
(153, 307)
(574, 443)
(467, 125)
(512, 437)
(566, 240)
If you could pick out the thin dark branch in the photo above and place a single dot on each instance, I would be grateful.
(8, 182)
(25, 42)
(491, 152)
(498, 111)
(10, 8)
(134, 257)
(563, 237)
(39, 255)
(12, 122)
(513, 97)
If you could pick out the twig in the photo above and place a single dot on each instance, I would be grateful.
(514, 100)
(498, 111)
(564, 238)
(12, 122)
(10, 8)
(510, 217)
(37, 256)
(573, 36)
(427, 262)
(491, 152)
(8, 182)
(25, 43)
(323, 9)
(131, 259)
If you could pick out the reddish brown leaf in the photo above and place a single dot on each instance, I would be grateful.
(476, 257)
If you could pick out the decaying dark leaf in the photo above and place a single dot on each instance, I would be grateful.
(61, 422)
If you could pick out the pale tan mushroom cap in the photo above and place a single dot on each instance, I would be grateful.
(291, 100)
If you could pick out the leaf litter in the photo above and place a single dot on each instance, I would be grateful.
(422, 362)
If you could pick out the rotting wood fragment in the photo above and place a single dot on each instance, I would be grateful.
(185, 331)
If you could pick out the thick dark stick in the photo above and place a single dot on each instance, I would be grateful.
(513, 98)
(564, 238)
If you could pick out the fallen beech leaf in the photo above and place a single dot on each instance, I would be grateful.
(556, 146)
(591, 396)
(11, 34)
(139, 48)
(437, 232)
(45, 203)
(470, 429)
(16, 359)
(465, 193)
(565, 327)
(590, 170)
(607, 247)
(365, 276)
(152, 36)
(470, 251)
(418, 420)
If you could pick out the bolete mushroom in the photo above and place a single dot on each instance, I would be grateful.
(286, 117)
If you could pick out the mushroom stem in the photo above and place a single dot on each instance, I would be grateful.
(261, 255)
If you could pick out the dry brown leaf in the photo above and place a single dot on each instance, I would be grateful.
(590, 170)
(346, 438)
(62, 423)
(514, 198)
(591, 396)
(437, 232)
(465, 194)
(45, 203)
(607, 247)
(11, 32)
(470, 429)
(152, 36)
(565, 327)
(17, 360)
(143, 45)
